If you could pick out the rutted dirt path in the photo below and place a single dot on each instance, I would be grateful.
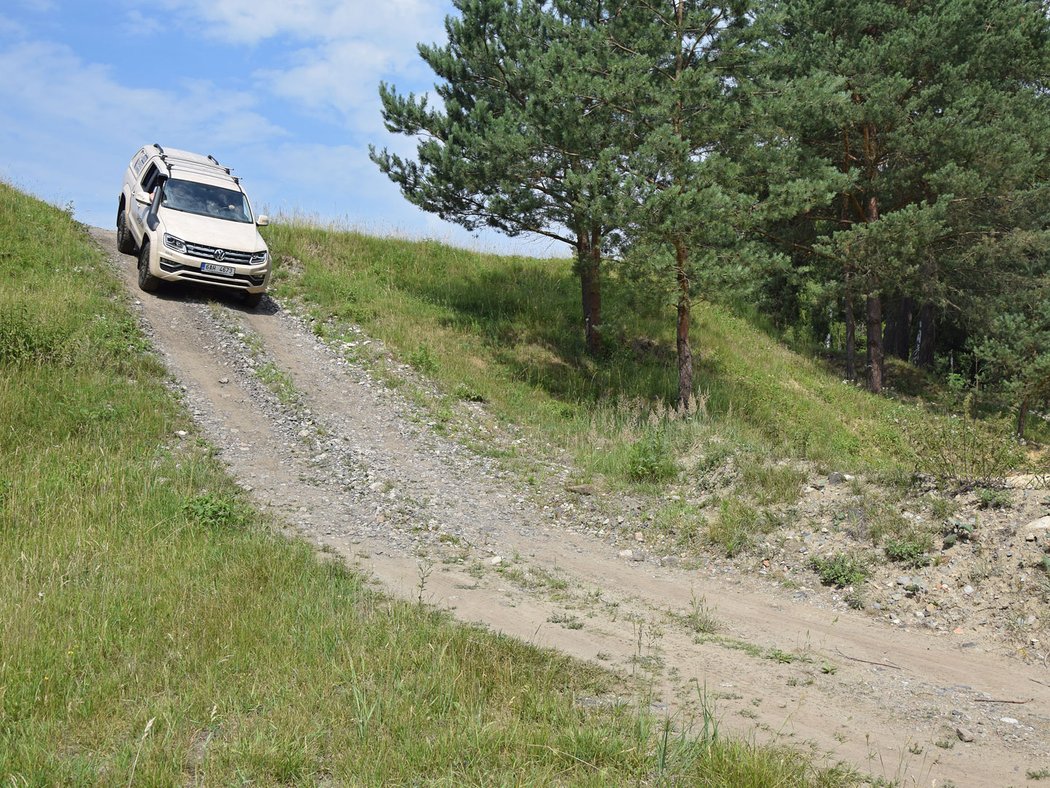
(349, 465)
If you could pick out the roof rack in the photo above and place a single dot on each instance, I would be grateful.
(195, 165)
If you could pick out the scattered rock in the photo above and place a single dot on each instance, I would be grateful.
(1042, 524)
(628, 554)
(964, 734)
(224, 381)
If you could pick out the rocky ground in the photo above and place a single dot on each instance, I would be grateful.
(932, 674)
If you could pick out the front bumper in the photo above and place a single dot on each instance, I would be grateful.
(175, 266)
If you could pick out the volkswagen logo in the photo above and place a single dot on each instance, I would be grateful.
(219, 254)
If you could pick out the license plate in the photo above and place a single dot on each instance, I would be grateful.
(214, 268)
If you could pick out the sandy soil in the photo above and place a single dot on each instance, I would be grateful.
(347, 463)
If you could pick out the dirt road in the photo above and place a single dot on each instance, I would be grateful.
(347, 463)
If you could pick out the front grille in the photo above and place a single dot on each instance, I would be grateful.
(208, 253)
(193, 274)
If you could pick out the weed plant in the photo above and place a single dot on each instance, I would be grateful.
(155, 631)
(840, 570)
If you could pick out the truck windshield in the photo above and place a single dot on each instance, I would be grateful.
(206, 200)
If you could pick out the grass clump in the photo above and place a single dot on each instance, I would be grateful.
(772, 484)
(840, 570)
(650, 460)
(993, 499)
(737, 526)
(911, 549)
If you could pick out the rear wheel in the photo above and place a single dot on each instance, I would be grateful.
(147, 281)
(125, 242)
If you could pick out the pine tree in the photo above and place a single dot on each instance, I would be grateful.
(942, 116)
(521, 143)
(700, 172)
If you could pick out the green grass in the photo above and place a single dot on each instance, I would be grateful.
(155, 630)
(508, 330)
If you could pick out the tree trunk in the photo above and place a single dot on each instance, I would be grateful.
(896, 338)
(685, 354)
(927, 338)
(851, 331)
(876, 359)
(875, 353)
(1022, 418)
(588, 266)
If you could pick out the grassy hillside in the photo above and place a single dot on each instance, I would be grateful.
(506, 330)
(147, 635)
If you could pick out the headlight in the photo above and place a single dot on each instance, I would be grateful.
(172, 242)
(260, 257)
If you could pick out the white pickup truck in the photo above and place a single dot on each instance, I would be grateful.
(187, 219)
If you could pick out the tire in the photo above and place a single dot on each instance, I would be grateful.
(147, 281)
(125, 241)
(252, 300)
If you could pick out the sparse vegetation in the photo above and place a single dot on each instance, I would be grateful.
(737, 526)
(993, 499)
(840, 570)
(911, 549)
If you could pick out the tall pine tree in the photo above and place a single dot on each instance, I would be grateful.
(521, 142)
(943, 116)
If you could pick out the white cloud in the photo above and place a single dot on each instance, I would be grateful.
(9, 27)
(343, 47)
(54, 86)
(39, 6)
(253, 21)
(70, 127)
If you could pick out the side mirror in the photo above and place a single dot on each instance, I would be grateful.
(142, 198)
(263, 220)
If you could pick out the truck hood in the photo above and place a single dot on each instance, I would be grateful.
(237, 236)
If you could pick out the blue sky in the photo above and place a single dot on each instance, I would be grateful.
(284, 91)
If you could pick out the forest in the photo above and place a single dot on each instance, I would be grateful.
(867, 179)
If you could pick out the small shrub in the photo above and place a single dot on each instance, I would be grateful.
(840, 570)
(651, 460)
(958, 530)
(468, 394)
(912, 550)
(993, 499)
(422, 358)
(214, 511)
(963, 451)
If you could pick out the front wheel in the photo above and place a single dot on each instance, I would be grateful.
(125, 242)
(147, 281)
